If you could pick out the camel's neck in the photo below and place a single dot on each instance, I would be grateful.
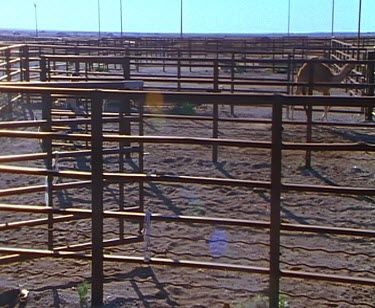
(337, 78)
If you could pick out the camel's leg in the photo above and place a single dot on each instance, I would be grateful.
(304, 92)
(289, 112)
(290, 109)
(326, 108)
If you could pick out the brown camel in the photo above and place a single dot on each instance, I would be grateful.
(321, 74)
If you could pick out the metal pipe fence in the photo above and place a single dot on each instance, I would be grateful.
(171, 66)
(97, 178)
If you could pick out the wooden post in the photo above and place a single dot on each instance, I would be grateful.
(97, 200)
(276, 156)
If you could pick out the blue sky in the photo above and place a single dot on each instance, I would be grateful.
(199, 16)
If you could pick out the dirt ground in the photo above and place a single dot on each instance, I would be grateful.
(59, 282)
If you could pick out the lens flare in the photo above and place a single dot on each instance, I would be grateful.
(218, 242)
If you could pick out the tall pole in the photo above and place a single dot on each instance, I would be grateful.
(99, 17)
(36, 20)
(181, 19)
(288, 17)
(359, 24)
(121, 15)
(333, 16)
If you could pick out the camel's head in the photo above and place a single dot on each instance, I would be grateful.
(346, 70)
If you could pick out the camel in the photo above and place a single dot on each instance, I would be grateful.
(321, 74)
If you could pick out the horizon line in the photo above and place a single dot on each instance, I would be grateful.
(186, 33)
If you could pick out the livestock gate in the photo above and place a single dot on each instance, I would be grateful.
(164, 177)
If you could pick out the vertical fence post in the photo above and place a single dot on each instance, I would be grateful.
(47, 142)
(165, 54)
(190, 55)
(216, 75)
(215, 131)
(55, 67)
(125, 123)
(47, 147)
(276, 156)
(137, 62)
(308, 134)
(126, 68)
(179, 70)
(370, 80)
(121, 195)
(232, 69)
(141, 163)
(8, 65)
(77, 64)
(25, 63)
(43, 68)
(289, 74)
(8, 73)
(273, 61)
(309, 111)
(26, 72)
(97, 200)
(67, 63)
(21, 63)
(124, 129)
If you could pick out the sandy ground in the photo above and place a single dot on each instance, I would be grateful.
(55, 282)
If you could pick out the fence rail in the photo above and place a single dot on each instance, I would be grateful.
(98, 134)
(98, 178)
